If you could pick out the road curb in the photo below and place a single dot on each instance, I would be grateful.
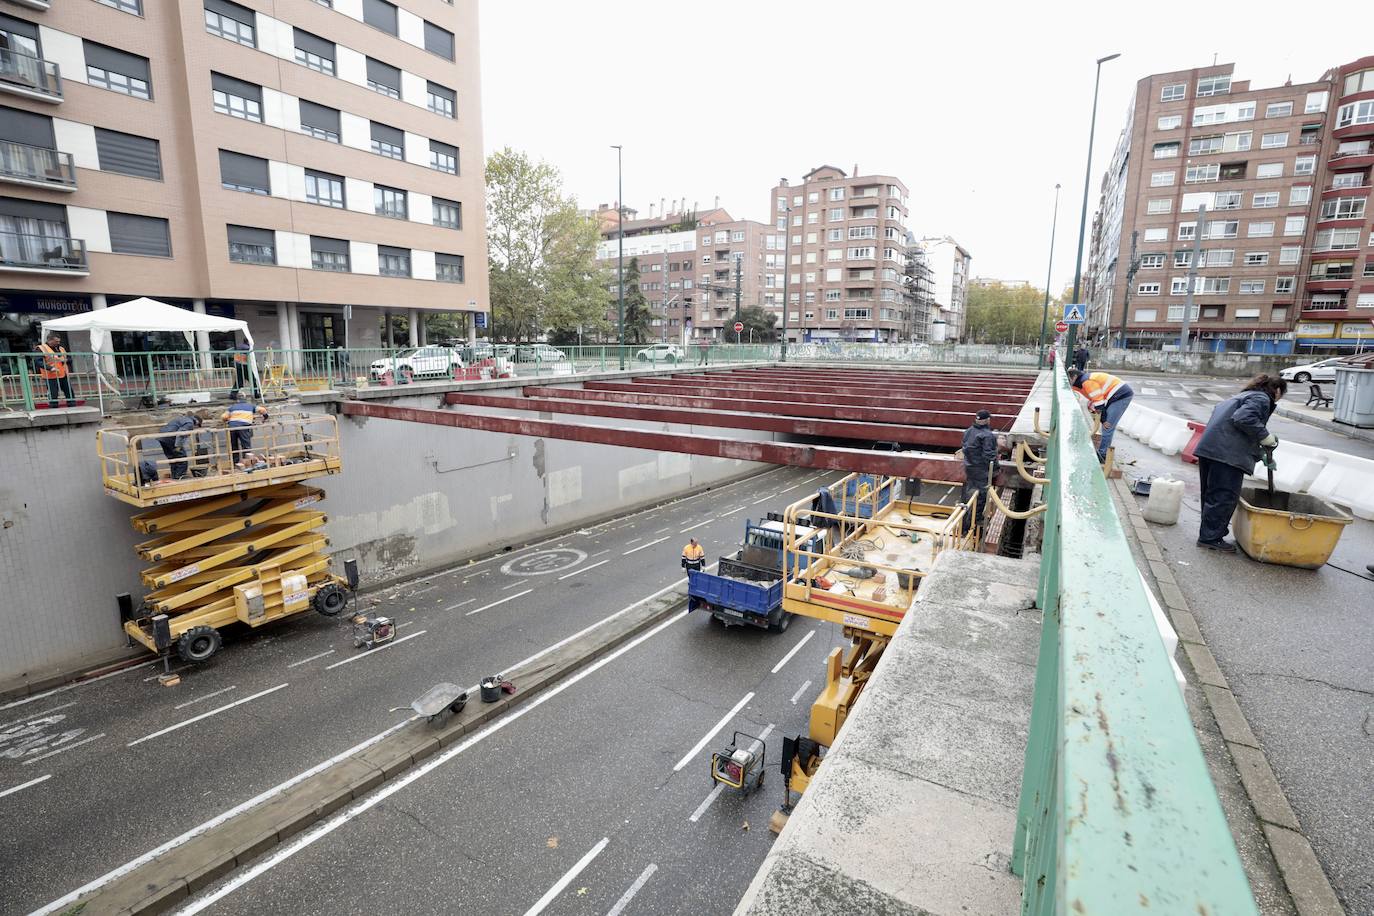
(1307, 884)
(158, 885)
(1331, 426)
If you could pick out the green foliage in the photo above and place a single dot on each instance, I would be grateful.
(637, 329)
(1001, 314)
(542, 253)
(760, 321)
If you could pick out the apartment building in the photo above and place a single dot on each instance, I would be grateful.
(1279, 178)
(919, 283)
(846, 247)
(275, 162)
(950, 262)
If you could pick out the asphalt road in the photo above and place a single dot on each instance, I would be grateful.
(1294, 645)
(97, 775)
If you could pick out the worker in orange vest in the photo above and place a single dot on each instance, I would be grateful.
(1107, 396)
(54, 370)
(239, 419)
(693, 555)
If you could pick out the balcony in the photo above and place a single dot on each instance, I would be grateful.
(36, 166)
(33, 4)
(1353, 155)
(32, 77)
(43, 254)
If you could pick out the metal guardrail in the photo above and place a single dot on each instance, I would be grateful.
(1117, 810)
(21, 251)
(36, 165)
(28, 72)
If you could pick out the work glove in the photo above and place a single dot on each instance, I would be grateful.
(1269, 441)
(1269, 460)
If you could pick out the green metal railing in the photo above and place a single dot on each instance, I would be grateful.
(1117, 813)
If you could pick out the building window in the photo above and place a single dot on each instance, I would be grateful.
(1260, 229)
(1187, 231)
(1304, 165)
(1251, 287)
(1174, 92)
(1265, 199)
(1336, 240)
(1343, 208)
(448, 213)
(1300, 194)
(1289, 254)
(238, 172)
(1213, 85)
(117, 71)
(1218, 257)
(314, 52)
(1170, 122)
(1316, 102)
(443, 157)
(1344, 180)
(248, 245)
(1295, 225)
(128, 6)
(1278, 109)
(438, 41)
(448, 268)
(1332, 270)
(1274, 141)
(388, 141)
(1203, 146)
(1162, 179)
(329, 254)
(389, 202)
(393, 262)
(835, 215)
(236, 98)
(1269, 170)
(1147, 289)
(837, 193)
(1159, 205)
(1166, 150)
(324, 189)
(131, 233)
(383, 78)
(319, 121)
(1176, 313)
(863, 232)
(442, 100)
(1146, 315)
(230, 21)
(1151, 261)
(1285, 284)
(380, 15)
(1256, 258)
(1199, 173)
(128, 154)
(862, 254)
(1157, 234)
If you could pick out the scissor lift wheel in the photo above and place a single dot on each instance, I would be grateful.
(198, 644)
(330, 599)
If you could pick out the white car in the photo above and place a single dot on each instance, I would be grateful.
(661, 353)
(1321, 371)
(539, 353)
(423, 362)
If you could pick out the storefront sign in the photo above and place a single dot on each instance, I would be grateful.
(42, 304)
(1315, 329)
(1357, 329)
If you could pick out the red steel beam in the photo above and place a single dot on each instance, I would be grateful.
(796, 426)
(838, 385)
(950, 418)
(892, 371)
(895, 464)
(971, 381)
(817, 394)
(747, 396)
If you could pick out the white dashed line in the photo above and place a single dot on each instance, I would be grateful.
(642, 546)
(760, 738)
(800, 690)
(24, 785)
(724, 721)
(312, 658)
(562, 883)
(1148, 392)
(731, 512)
(206, 697)
(578, 572)
(371, 652)
(63, 689)
(1177, 393)
(697, 525)
(795, 649)
(487, 607)
(635, 888)
(454, 607)
(206, 715)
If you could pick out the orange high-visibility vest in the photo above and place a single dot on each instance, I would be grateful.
(1098, 388)
(693, 552)
(237, 415)
(54, 362)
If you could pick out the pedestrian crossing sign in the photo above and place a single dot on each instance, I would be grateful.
(1073, 312)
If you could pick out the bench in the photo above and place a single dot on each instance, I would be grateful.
(1315, 398)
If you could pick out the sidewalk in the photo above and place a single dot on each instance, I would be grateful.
(1321, 418)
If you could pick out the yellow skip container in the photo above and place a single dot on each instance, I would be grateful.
(1291, 529)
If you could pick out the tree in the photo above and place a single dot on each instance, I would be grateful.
(542, 252)
(636, 306)
(759, 322)
(1000, 314)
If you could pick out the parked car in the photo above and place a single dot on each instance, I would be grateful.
(423, 362)
(1323, 370)
(661, 353)
(539, 353)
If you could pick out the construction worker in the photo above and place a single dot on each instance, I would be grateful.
(1107, 396)
(979, 450)
(54, 370)
(1080, 358)
(243, 371)
(1235, 439)
(177, 434)
(693, 555)
(239, 419)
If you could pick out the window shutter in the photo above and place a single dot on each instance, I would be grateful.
(134, 234)
(438, 41)
(247, 171)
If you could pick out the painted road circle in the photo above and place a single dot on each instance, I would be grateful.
(544, 562)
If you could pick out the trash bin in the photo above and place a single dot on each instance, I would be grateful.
(1353, 403)
(1292, 529)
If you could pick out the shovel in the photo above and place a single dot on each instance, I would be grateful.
(1269, 466)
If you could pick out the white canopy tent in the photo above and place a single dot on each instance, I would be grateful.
(146, 315)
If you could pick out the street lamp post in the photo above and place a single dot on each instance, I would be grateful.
(1045, 315)
(1087, 183)
(620, 230)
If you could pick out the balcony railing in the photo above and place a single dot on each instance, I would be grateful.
(19, 251)
(29, 75)
(1348, 152)
(36, 165)
(1309, 140)
(1319, 305)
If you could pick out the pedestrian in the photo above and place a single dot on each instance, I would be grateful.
(54, 370)
(1107, 396)
(1080, 359)
(177, 434)
(703, 351)
(693, 556)
(1235, 439)
(243, 369)
(979, 450)
(239, 419)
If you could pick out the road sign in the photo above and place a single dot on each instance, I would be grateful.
(1061, 326)
(480, 319)
(1073, 312)
(739, 326)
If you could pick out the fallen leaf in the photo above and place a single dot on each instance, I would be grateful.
(552, 842)
(745, 826)
(581, 892)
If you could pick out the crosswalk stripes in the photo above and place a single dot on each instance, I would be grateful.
(1210, 396)
(1148, 392)
(1178, 393)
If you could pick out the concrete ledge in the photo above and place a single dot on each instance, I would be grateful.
(914, 809)
(1309, 419)
(59, 416)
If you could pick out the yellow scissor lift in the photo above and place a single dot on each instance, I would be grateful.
(873, 529)
(237, 538)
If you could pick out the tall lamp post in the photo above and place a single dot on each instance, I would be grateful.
(620, 230)
(1083, 217)
(1045, 314)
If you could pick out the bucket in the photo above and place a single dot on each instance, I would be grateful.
(491, 689)
(1292, 529)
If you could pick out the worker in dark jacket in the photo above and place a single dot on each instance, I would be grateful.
(1080, 359)
(1235, 439)
(239, 419)
(979, 450)
(176, 435)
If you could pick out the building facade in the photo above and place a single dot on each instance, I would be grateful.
(221, 157)
(950, 262)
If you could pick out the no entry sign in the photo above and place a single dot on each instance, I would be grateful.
(739, 326)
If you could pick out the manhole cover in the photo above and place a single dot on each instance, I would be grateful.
(544, 562)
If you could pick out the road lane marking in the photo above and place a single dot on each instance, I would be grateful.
(642, 546)
(206, 715)
(760, 738)
(795, 649)
(697, 525)
(1211, 396)
(63, 689)
(371, 652)
(24, 785)
(1148, 392)
(65, 747)
(1177, 393)
(635, 888)
(800, 690)
(724, 721)
(206, 697)
(789, 489)
(487, 607)
(387, 789)
(311, 658)
(578, 572)
(36, 715)
(600, 552)
(454, 607)
(769, 498)
(515, 584)
(633, 541)
(562, 883)
(661, 530)
(731, 512)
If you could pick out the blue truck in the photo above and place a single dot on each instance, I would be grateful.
(746, 588)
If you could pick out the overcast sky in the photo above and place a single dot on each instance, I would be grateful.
(981, 108)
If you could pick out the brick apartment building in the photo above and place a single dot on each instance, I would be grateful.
(1284, 173)
(270, 161)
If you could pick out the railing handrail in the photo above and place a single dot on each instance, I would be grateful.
(50, 70)
(69, 249)
(1117, 809)
(60, 160)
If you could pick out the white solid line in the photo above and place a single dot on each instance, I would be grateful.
(633, 541)
(515, 584)
(578, 572)
(642, 546)
(206, 697)
(371, 652)
(635, 888)
(600, 552)
(487, 607)
(731, 512)
(768, 498)
(206, 715)
(800, 690)
(795, 649)
(65, 747)
(724, 721)
(454, 607)
(562, 883)
(789, 489)
(661, 530)
(697, 525)
(760, 738)
(320, 830)
(36, 715)
(312, 658)
(63, 689)
(24, 785)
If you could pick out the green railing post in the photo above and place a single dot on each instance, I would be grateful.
(152, 377)
(25, 383)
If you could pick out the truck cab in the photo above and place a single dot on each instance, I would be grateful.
(746, 588)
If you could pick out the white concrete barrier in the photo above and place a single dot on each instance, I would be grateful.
(1298, 467)
(1346, 481)
(1171, 435)
(1144, 428)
